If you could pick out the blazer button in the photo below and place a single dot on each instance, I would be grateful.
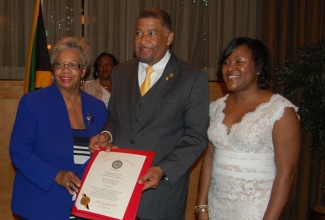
(132, 141)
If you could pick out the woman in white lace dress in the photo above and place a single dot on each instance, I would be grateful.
(251, 161)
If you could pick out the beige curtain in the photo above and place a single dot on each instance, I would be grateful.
(228, 19)
(202, 28)
(15, 24)
(109, 25)
(62, 18)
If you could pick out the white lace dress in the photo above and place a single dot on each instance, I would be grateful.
(243, 167)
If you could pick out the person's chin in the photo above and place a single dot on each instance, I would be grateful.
(145, 59)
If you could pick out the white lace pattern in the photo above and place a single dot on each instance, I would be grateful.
(243, 167)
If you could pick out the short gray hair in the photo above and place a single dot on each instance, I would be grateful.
(72, 43)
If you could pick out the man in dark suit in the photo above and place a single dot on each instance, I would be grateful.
(171, 118)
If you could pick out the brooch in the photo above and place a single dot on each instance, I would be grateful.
(90, 118)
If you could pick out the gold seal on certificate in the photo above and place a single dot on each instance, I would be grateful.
(109, 188)
(85, 201)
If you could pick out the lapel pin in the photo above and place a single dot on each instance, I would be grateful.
(171, 75)
(90, 118)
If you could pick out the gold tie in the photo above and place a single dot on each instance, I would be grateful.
(147, 82)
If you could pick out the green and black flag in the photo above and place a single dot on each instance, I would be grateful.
(38, 66)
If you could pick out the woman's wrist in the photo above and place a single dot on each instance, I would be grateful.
(108, 136)
(201, 208)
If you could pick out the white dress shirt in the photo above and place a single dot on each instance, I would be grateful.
(158, 67)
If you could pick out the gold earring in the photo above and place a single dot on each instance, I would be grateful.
(82, 81)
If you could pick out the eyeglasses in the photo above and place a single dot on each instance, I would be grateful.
(71, 66)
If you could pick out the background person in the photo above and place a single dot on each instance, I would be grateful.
(49, 142)
(171, 118)
(101, 86)
(251, 161)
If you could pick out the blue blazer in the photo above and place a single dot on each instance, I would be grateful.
(41, 145)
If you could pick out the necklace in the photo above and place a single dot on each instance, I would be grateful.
(106, 85)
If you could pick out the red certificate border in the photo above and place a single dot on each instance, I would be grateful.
(132, 207)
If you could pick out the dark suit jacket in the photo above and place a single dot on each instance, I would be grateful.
(41, 145)
(171, 120)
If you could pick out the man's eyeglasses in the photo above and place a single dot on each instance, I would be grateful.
(71, 66)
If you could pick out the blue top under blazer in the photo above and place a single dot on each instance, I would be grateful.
(41, 145)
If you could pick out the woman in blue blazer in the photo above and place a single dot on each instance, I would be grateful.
(49, 142)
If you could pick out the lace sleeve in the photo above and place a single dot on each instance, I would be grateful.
(278, 106)
(216, 104)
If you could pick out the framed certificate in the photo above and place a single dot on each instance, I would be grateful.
(109, 187)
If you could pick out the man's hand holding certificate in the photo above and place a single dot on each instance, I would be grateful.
(110, 188)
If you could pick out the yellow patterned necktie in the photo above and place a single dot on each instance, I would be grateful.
(147, 82)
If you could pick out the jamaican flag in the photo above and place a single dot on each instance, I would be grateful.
(38, 67)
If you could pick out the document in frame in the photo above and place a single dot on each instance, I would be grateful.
(109, 188)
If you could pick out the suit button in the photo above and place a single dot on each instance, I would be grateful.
(132, 141)
(136, 119)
